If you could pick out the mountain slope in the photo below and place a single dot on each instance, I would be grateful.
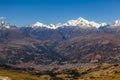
(77, 41)
(92, 48)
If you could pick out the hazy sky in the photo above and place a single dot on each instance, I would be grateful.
(23, 12)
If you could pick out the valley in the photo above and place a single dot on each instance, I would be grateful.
(76, 50)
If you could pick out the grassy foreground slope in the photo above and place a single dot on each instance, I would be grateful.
(17, 76)
(91, 72)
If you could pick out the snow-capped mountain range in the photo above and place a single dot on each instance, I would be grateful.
(80, 22)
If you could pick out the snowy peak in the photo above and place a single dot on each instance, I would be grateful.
(81, 22)
(78, 21)
(41, 25)
(116, 23)
(103, 24)
(38, 24)
(4, 25)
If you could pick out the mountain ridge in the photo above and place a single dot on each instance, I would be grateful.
(80, 22)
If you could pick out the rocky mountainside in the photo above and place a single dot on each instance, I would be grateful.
(76, 41)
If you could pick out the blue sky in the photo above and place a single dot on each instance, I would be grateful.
(23, 12)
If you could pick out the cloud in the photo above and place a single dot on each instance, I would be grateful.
(2, 17)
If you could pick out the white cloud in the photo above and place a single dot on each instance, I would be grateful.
(2, 17)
